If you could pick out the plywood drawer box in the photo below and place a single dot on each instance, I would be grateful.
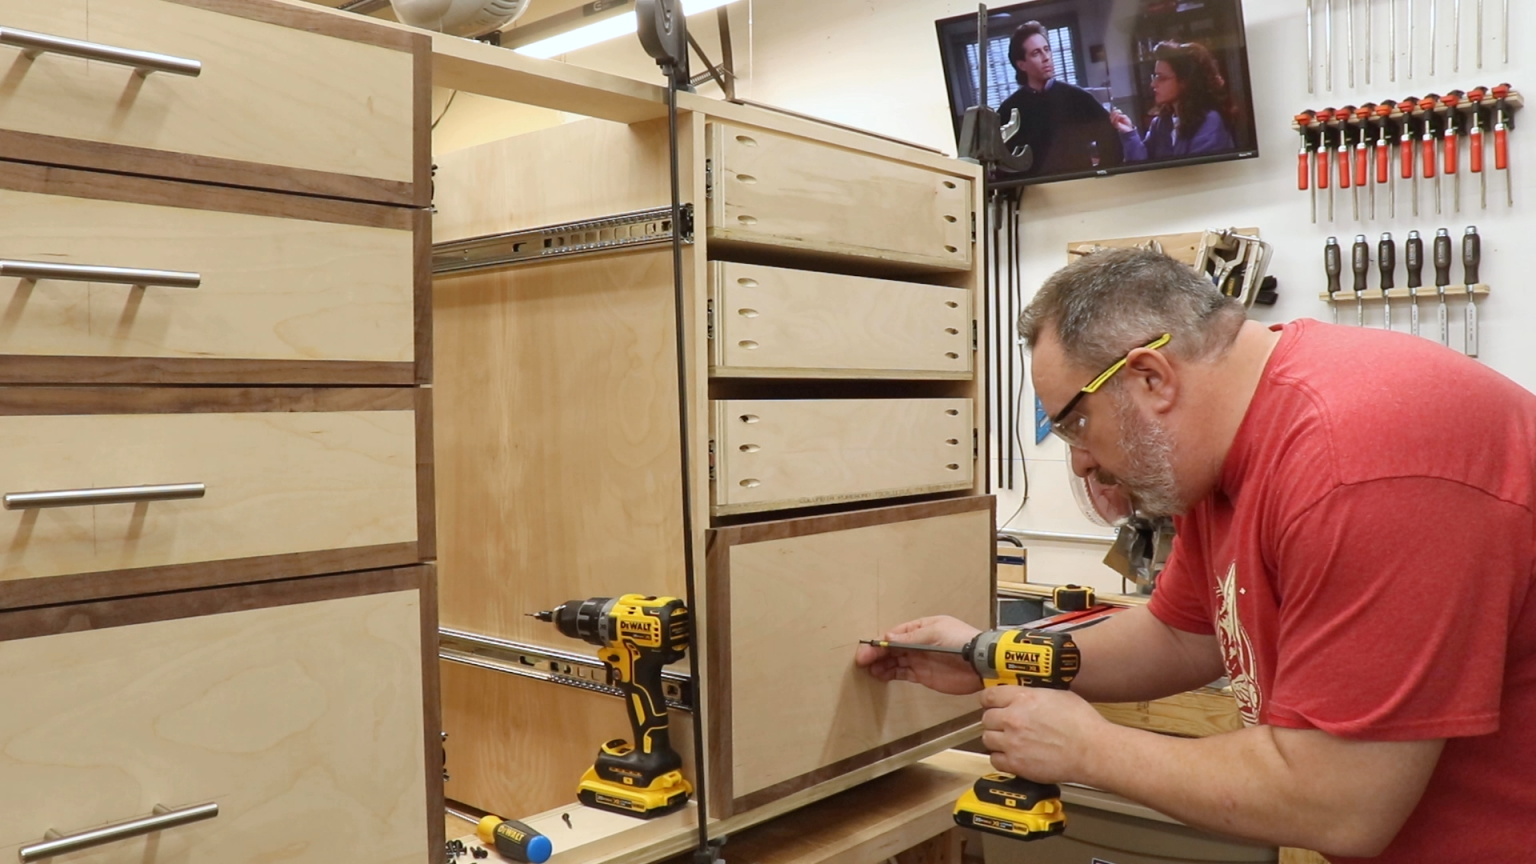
(775, 322)
(769, 189)
(257, 287)
(302, 713)
(252, 94)
(776, 454)
(294, 481)
(788, 603)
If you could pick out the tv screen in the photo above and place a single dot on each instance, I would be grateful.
(1104, 87)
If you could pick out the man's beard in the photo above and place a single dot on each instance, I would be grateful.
(1148, 476)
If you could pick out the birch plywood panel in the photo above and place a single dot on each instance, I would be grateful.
(775, 454)
(604, 168)
(276, 483)
(774, 190)
(790, 601)
(557, 440)
(266, 94)
(518, 745)
(272, 288)
(303, 723)
(771, 321)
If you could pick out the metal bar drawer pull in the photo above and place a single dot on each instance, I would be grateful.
(160, 821)
(111, 495)
(36, 270)
(144, 61)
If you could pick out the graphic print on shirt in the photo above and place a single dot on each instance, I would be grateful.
(1237, 650)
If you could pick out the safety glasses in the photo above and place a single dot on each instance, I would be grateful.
(1068, 425)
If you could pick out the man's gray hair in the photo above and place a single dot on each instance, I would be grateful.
(1107, 303)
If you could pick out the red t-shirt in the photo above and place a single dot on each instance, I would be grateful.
(1367, 564)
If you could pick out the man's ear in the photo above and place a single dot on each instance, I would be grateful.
(1152, 379)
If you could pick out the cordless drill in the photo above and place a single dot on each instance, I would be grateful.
(1004, 804)
(638, 635)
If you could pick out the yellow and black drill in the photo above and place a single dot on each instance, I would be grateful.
(638, 635)
(1004, 804)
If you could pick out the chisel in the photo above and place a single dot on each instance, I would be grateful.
(1448, 105)
(1386, 262)
(1333, 265)
(1346, 156)
(1501, 138)
(1384, 152)
(1361, 264)
(1431, 154)
(1442, 279)
(1472, 259)
(1303, 123)
(1414, 259)
(1325, 156)
(1363, 155)
(1475, 139)
(1406, 157)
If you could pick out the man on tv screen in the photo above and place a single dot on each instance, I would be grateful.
(1068, 130)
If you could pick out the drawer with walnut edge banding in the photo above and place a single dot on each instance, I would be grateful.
(250, 94)
(108, 279)
(121, 490)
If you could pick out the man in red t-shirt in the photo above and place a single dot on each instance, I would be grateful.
(1356, 515)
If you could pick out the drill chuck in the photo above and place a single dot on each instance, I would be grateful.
(587, 620)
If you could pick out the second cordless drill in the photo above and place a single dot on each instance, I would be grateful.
(638, 635)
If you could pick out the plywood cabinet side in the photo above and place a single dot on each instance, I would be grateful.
(577, 171)
(518, 746)
(557, 439)
(790, 601)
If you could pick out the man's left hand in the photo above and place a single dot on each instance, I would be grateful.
(1038, 733)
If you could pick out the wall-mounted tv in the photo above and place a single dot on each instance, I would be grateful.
(1108, 86)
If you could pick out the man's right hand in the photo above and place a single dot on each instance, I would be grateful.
(946, 673)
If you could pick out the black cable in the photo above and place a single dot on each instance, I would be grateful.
(678, 298)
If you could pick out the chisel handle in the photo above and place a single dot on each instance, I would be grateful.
(1413, 257)
(1333, 264)
(1303, 171)
(1324, 167)
(1442, 258)
(1362, 164)
(1383, 161)
(1477, 150)
(1429, 157)
(1386, 261)
(1452, 161)
(1361, 262)
(1472, 255)
(1345, 168)
(1407, 157)
(1501, 149)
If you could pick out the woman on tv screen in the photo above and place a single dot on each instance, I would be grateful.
(1194, 111)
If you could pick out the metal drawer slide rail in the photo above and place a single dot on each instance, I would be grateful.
(609, 234)
(547, 664)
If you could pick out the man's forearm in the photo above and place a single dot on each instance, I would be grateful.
(1240, 784)
(1133, 656)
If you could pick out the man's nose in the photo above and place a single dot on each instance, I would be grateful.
(1082, 462)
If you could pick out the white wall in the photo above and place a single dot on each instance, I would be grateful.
(875, 64)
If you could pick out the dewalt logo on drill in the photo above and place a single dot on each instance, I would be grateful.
(638, 628)
(1029, 662)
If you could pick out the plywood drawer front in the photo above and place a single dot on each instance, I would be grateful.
(303, 723)
(267, 94)
(797, 323)
(771, 189)
(796, 597)
(773, 454)
(272, 288)
(277, 483)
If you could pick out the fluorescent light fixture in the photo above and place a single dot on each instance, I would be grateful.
(602, 31)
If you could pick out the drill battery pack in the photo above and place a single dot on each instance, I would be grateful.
(1012, 807)
(627, 782)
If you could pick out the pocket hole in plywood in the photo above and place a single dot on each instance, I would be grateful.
(746, 178)
(750, 448)
(949, 184)
(951, 304)
(951, 249)
(750, 483)
(952, 331)
(953, 466)
(953, 412)
(949, 218)
(751, 418)
(745, 141)
(953, 442)
(951, 355)
(748, 344)
(747, 313)
(747, 283)
(747, 220)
